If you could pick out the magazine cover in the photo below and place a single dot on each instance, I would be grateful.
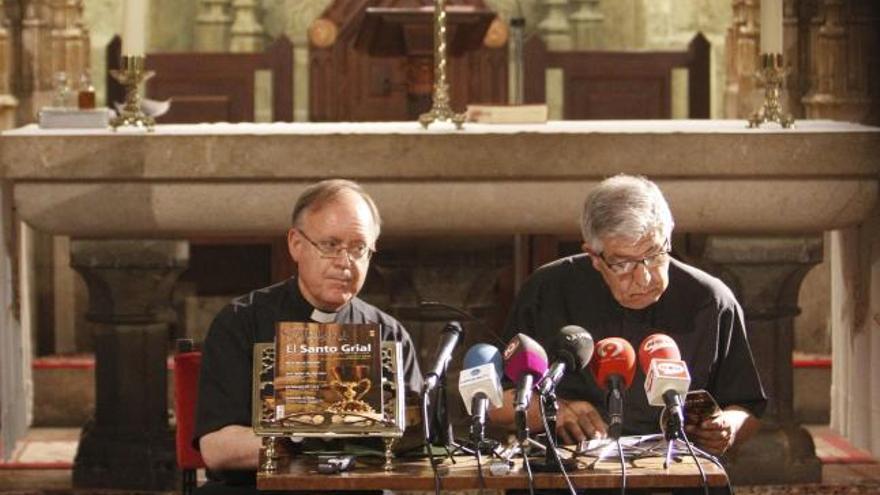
(328, 376)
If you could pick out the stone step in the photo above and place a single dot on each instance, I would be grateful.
(812, 388)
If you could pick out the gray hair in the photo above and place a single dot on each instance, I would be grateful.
(319, 194)
(624, 206)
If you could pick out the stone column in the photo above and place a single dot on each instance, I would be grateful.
(741, 93)
(247, 35)
(842, 86)
(766, 275)
(587, 23)
(129, 444)
(36, 66)
(555, 28)
(8, 102)
(212, 26)
(70, 43)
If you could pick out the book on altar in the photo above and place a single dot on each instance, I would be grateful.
(74, 118)
(328, 376)
(507, 114)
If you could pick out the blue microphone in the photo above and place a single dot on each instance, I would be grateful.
(479, 384)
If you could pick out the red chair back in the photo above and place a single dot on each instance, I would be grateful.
(186, 386)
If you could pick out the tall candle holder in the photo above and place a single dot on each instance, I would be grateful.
(440, 109)
(131, 74)
(772, 74)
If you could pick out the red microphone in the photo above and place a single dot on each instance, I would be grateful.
(614, 356)
(657, 346)
(667, 379)
(614, 367)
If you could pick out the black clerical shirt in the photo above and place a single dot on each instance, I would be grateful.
(227, 354)
(697, 310)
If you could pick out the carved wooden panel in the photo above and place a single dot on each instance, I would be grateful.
(619, 85)
(829, 47)
(347, 84)
(216, 87)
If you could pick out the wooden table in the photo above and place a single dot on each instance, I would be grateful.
(416, 475)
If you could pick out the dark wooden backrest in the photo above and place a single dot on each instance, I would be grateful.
(619, 84)
(214, 87)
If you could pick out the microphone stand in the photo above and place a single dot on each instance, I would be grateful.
(552, 460)
(478, 440)
(443, 427)
(673, 427)
(614, 401)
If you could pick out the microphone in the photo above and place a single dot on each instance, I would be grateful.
(614, 369)
(574, 348)
(451, 333)
(479, 384)
(526, 362)
(667, 379)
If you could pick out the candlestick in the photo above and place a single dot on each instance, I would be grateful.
(772, 75)
(131, 74)
(440, 108)
(133, 32)
(771, 26)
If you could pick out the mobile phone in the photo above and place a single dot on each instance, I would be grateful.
(699, 405)
(335, 464)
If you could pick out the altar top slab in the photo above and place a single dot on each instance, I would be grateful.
(442, 128)
(241, 179)
(304, 151)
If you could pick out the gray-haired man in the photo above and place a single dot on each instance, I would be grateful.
(627, 285)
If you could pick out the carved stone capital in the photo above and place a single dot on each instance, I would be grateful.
(129, 281)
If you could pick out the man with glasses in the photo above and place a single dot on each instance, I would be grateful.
(627, 285)
(335, 225)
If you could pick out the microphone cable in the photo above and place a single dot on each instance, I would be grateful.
(480, 469)
(682, 436)
(690, 448)
(552, 445)
(428, 448)
(525, 454)
(622, 466)
(714, 460)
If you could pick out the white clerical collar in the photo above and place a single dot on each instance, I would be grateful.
(323, 316)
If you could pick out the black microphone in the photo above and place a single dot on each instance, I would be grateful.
(451, 333)
(574, 349)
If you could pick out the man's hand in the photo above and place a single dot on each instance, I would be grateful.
(717, 434)
(577, 421)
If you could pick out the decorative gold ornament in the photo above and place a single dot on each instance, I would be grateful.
(440, 109)
(131, 74)
(772, 74)
(497, 34)
(323, 33)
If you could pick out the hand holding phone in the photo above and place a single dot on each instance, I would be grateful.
(699, 405)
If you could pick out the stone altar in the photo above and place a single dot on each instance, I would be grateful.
(757, 197)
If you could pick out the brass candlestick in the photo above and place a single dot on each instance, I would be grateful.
(772, 74)
(131, 75)
(440, 109)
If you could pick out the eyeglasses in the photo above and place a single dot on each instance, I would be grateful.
(629, 266)
(335, 249)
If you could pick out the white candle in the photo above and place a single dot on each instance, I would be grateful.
(771, 26)
(133, 33)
